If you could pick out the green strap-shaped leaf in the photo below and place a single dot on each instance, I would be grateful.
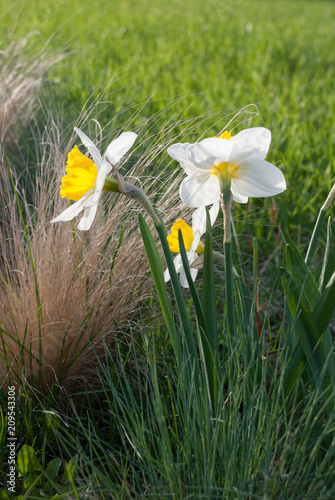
(294, 368)
(325, 307)
(319, 360)
(158, 275)
(328, 264)
(303, 278)
(190, 353)
(314, 238)
(300, 273)
(208, 298)
(208, 355)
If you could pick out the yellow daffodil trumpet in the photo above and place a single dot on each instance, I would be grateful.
(193, 245)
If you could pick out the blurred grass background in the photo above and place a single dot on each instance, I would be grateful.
(214, 55)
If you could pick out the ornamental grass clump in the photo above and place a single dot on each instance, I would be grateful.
(65, 293)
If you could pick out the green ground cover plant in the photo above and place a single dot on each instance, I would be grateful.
(127, 386)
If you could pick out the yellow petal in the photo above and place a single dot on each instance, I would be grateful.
(80, 176)
(187, 233)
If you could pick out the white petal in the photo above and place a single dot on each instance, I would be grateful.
(194, 273)
(199, 218)
(183, 279)
(166, 275)
(255, 141)
(74, 209)
(214, 212)
(198, 263)
(178, 266)
(219, 150)
(94, 152)
(259, 178)
(199, 190)
(196, 241)
(179, 152)
(200, 157)
(87, 219)
(120, 146)
(99, 184)
(239, 198)
(178, 263)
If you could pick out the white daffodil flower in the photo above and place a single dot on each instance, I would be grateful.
(225, 162)
(85, 179)
(191, 237)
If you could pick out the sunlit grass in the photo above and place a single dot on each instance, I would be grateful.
(214, 54)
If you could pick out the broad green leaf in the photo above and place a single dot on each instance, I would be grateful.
(27, 460)
(4, 495)
(29, 467)
(70, 467)
(53, 468)
(51, 423)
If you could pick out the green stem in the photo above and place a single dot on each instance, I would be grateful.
(317, 228)
(111, 184)
(226, 208)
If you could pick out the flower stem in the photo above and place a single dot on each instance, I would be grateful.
(133, 192)
(317, 228)
(226, 201)
(111, 185)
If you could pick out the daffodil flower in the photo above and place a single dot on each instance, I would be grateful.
(85, 178)
(236, 163)
(191, 237)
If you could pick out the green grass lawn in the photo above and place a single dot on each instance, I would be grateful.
(215, 56)
(151, 66)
